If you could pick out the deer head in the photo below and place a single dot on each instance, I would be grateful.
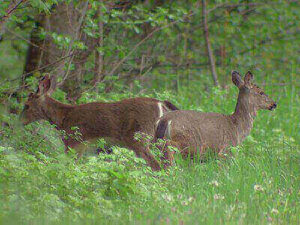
(33, 108)
(250, 94)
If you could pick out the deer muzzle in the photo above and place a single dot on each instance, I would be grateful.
(273, 106)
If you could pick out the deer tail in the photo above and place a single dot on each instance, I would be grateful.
(160, 129)
(170, 106)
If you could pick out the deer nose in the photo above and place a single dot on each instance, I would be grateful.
(273, 106)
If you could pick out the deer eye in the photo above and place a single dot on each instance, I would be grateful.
(26, 107)
(261, 93)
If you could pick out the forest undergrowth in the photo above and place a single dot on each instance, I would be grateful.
(260, 184)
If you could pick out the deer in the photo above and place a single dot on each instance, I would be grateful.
(116, 122)
(196, 133)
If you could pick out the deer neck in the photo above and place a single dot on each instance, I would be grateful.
(243, 117)
(54, 111)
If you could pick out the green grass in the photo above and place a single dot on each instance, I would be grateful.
(259, 185)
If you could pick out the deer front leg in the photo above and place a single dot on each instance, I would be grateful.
(79, 147)
(225, 153)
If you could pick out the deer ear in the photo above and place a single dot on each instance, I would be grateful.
(237, 79)
(248, 77)
(46, 85)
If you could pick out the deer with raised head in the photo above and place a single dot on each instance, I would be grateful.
(116, 122)
(194, 133)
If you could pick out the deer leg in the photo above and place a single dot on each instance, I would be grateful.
(144, 152)
(151, 161)
(106, 150)
(139, 147)
(80, 148)
(225, 153)
(168, 154)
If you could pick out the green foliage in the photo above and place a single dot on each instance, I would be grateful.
(40, 184)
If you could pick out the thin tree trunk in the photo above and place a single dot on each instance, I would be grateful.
(99, 59)
(34, 51)
(208, 46)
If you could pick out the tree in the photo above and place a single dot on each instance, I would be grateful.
(208, 45)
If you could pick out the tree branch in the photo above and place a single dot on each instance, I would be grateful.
(10, 10)
(141, 42)
(48, 65)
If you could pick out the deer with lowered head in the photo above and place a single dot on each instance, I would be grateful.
(116, 122)
(194, 133)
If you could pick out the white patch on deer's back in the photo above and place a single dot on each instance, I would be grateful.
(160, 110)
(168, 131)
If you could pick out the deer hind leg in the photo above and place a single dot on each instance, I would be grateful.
(139, 147)
(144, 152)
(168, 153)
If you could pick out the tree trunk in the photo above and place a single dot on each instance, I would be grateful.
(99, 58)
(46, 56)
(34, 52)
(208, 46)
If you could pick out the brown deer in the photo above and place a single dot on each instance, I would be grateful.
(193, 133)
(117, 122)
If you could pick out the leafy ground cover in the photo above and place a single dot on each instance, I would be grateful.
(39, 184)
